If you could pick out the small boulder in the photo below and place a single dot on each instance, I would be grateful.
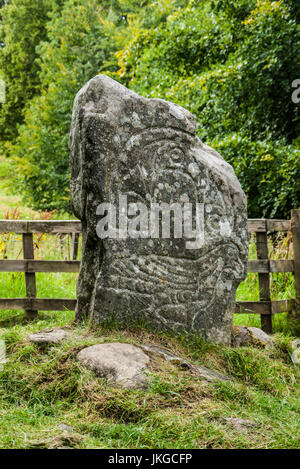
(166, 355)
(121, 364)
(209, 375)
(65, 428)
(240, 424)
(295, 357)
(242, 335)
(202, 372)
(49, 336)
(259, 337)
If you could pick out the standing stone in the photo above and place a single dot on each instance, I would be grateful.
(122, 144)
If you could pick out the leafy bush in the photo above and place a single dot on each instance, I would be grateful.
(231, 64)
(235, 65)
(78, 48)
(268, 171)
(22, 28)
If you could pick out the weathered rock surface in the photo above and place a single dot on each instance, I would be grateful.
(242, 335)
(2, 354)
(49, 336)
(209, 375)
(166, 355)
(295, 357)
(123, 145)
(65, 428)
(121, 364)
(202, 372)
(240, 424)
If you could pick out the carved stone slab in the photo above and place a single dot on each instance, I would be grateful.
(124, 147)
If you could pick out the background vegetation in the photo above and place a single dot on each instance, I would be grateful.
(230, 63)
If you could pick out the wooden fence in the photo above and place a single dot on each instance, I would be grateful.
(263, 266)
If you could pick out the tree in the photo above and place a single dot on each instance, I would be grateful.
(232, 65)
(22, 28)
(82, 39)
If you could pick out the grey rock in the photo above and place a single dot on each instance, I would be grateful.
(65, 428)
(49, 336)
(202, 372)
(240, 424)
(295, 345)
(166, 354)
(148, 150)
(259, 337)
(242, 335)
(295, 356)
(209, 375)
(121, 364)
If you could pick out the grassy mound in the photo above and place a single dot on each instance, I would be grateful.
(43, 388)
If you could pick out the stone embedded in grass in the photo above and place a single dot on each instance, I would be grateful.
(65, 428)
(240, 424)
(49, 336)
(121, 364)
(258, 336)
(242, 335)
(166, 354)
(202, 372)
(295, 357)
(209, 375)
(239, 336)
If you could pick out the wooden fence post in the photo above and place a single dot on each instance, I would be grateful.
(28, 253)
(74, 249)
(264, 280)
(295, 228)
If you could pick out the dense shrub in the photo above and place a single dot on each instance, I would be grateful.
(269, 172)
(231, 63)
(78, 47)
(22, 28)
(235, 65)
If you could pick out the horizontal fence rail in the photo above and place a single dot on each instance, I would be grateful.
(7, 265)
(38, 266)
(263, 266)
(259, 225)
(40, 226)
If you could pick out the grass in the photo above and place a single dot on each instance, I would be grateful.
(41, 388)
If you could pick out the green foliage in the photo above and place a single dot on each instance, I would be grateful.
(78, 47)
(230, 63)
(269, 173)
(22, 28)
